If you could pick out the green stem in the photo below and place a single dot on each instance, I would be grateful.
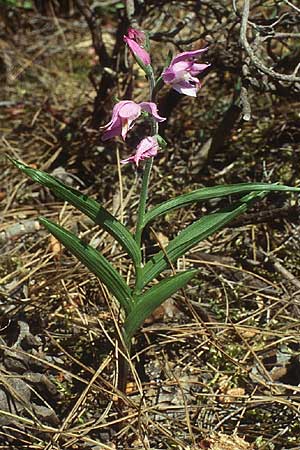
(126, 341)
(144, 192)
(142, 202)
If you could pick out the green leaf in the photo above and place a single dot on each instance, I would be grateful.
(152, 298)
(161, 142)
(94, 261)
(192, 235)
(88, 206)
(212, 192)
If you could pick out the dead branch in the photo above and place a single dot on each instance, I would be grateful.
(95, 29)
(258, 63)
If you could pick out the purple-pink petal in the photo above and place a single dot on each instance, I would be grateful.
(168, 75)
(181, 66)
(151, 108)
(124, 113)
(177, 70)
(185, 56)
(115, 113)
(123, 105)
(130, 110)
(109, 134)
(114, 130)
(198, 68)
(138, 51)
(180, 74)
(147, 148)
(128, 160)
(137, 35)
(186, 88)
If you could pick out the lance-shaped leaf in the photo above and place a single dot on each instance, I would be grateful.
(152, 298)
(86, 205)
(94, 261)
(192, 235)
(212, 192)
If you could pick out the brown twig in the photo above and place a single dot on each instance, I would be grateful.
(292, 78)
(95, 29)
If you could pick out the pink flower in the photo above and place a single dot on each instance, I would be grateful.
(137, 35)
(181, 72)
(123, 116)
(135, 41)
(147, 148)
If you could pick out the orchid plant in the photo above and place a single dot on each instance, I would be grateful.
(139, 298)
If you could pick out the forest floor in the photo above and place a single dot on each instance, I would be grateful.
(218, 366)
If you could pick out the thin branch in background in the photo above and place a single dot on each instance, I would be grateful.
(246, 108)
(292, 5)
(292, 78)
(110, 65)
(95, 29)
(130, 12)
